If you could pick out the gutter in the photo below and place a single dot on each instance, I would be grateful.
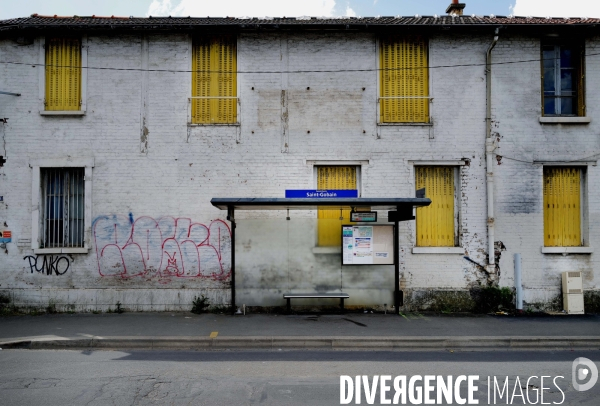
(490, 146)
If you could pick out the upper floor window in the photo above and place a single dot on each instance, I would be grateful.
(63, 74)
(214, 80)
(563, 80)
(403, 80)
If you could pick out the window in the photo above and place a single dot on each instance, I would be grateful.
(329, 220)
(436, 223)
(563, 80)
(63, 78)
(62, 207)
(214, 80)
(403, 80)
(562, 206)
(61, 201)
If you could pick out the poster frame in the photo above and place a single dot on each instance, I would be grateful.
(392, 226)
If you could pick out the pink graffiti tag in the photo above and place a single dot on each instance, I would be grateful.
(172, 266)
(167, 247)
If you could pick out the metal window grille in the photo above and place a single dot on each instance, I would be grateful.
(63, 207)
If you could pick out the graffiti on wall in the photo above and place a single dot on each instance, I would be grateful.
(48, 264)
(163, 248)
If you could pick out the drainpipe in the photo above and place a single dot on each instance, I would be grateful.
(490, 146)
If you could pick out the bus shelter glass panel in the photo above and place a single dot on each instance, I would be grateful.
(276, 256)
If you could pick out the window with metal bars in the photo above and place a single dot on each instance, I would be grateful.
(214, 80)
(562, 206)
(62, 200)
(63, 74)
(403, 80)
(563, 80)
(436, 223)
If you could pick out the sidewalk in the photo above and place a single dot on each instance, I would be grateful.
(175, 330)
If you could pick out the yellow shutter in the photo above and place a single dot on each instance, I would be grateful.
(214, 74)
(329, 223)
(63, 74)
(435, 223)
(562, 209)
(404, 73)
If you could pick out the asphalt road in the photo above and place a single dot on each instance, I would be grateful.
(271, 378)
(352, 324)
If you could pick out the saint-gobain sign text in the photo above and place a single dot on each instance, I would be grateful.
(319, 194)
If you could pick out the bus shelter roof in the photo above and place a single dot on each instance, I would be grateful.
(276, 203)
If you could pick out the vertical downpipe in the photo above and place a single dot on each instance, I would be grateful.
(489, 151)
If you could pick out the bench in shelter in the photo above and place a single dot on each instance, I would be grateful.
(290, 296)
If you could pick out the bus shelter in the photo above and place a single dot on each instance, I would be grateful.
(397, 210)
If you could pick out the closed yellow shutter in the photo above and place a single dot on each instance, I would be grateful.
(214, 74)
(435, 223)
(562, 208)
(404, 73)
(329, 223)
(63, 74)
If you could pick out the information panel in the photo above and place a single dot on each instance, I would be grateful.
(361, 216)
(368, 245)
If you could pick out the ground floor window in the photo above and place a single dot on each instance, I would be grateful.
(562, 206)
(330, 221)
(62, 207)
(437, 223)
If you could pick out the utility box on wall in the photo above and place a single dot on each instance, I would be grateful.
(572, 288)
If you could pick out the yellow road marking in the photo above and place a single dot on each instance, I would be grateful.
(214, 334)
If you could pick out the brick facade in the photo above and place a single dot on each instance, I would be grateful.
(154, 175)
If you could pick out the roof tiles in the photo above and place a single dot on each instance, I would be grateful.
(48, 22)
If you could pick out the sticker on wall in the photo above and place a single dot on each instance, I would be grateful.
(5, 236)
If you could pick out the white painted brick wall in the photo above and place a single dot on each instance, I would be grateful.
(185, 167)
(516, 109)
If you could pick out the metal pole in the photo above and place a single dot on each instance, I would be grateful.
(231, 218)
(397, 264)
(518, 284)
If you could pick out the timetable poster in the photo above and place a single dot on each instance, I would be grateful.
(367, 245)
(358, 245)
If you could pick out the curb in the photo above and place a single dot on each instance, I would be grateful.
(414, 343)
